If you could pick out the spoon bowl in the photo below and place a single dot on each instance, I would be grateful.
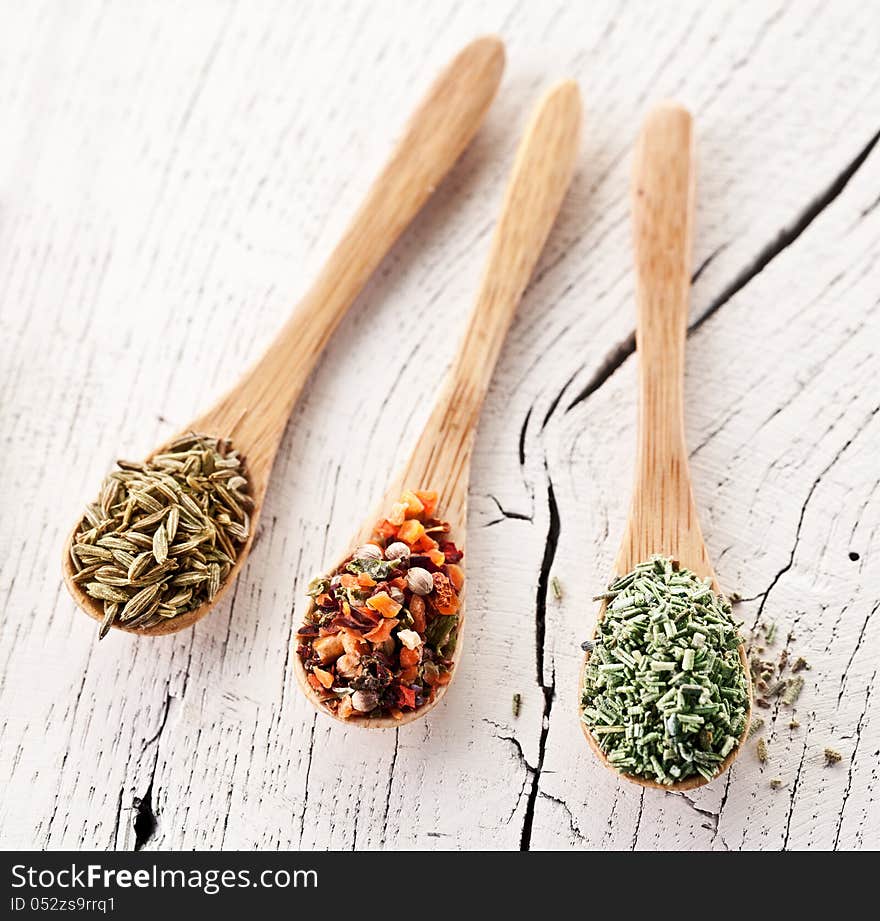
(663, 516)
(441, 458)
(254, 414)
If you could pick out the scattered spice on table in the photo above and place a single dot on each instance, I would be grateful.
(755, 726)
(163, 535)
(380, 634)
(517, 703)
(770, 682)
(767, 674)
(832, 756)
(557, 588)
(761, 751)
(664, 695)
(793, 689)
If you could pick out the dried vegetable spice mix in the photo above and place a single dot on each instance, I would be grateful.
(379, 637)
(665, 696)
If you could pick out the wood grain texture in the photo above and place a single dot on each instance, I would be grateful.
(663, 517)
(171, 177)
(441, 459)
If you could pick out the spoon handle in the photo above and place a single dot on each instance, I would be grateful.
(663, 517)
(540, 176)
(437, 133)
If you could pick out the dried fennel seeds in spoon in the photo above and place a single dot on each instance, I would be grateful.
(665, 689)
(382, 635)
(166, 537)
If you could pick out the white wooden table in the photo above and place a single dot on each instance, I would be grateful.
(171, 176)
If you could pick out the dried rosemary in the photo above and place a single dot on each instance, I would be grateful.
(665, 695)
(163, 534)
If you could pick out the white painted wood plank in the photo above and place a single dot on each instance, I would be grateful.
(169, 181)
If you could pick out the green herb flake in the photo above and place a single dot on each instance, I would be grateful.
(557, 588)
(439, 633)
(664, 694)
(776, 783)
(378, 570)
(317, 587)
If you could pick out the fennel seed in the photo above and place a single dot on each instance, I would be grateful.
(164, 534)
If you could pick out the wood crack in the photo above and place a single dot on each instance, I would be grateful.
(609, 364)
(788, 234)
(706, 812)
(116, 822)
(852, 759)
(717, 835)
(505, 514)
(856, 648)
(390, 784)
(708, 261)
(556, 400)
(302, 827)
(794, 786)
(804, 504)
(615, 358)
(146, 822)
(635, 837)
(522, 437)
(568, 813)
(548, 689)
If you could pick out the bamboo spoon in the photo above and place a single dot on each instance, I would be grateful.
(255, 412)
(441, 458)
(663, 517)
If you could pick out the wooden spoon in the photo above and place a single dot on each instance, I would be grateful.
(254, 414)
(663, 517)
(441, 458)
